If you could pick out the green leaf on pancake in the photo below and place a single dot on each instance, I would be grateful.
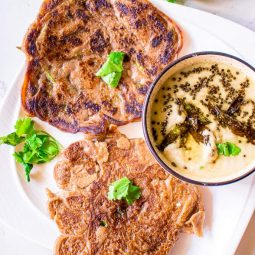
(111, 70)
(124, 189)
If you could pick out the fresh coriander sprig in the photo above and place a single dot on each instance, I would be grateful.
(124, 189)
(39, 147)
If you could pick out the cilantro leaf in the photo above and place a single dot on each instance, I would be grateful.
(11, 139)
(222, 149)
(39, 149)
(134, 193)
(124, 189)
(119, 189)
(233, 149)
(112, 79)
(27, 167)
(228, 149)
(34, 142)
(171, 1)
(111, 70)
(24, 126)
(112, 64)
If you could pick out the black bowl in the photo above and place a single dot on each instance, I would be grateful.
(155, 86)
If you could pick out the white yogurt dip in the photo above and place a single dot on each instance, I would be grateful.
(199, 107)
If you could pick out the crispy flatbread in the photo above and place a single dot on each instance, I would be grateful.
(150, 225)
(68, 43)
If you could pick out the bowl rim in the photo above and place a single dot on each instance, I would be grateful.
(144, 120)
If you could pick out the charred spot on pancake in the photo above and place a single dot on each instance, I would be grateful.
(143, 6)
(96, 130)
(157, 22)
(92, 106)
(52, 41)
(81, 14)
(69, 14)
(167, 55)
(50, 5)
(55, 15)
(131, 51)
(140, 58)
(41, 105)
(169, 37)
(53, 107)
(65, 125)
(75, 41)
(45, 105)
(134, 108)
(102, 4)
(134, 12)
(113, 121)
(143, 89)
(72, 39)
(31, 88)
(109, 107)
(33, 65)
(30, 105)
(122, 8)
(60, 96)
(69, 110)
(97, 42)
(126, 58)
(31, 42)
(138, 24)
(156, 41)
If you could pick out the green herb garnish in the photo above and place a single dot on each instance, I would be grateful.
(111, 70)
(228, 149)
(103, 223)
(24, 126)
(39, 147)
(11, 139)
(124, 189)
(49, 77)
(171, 1)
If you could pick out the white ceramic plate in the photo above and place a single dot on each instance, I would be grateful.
(228, 208)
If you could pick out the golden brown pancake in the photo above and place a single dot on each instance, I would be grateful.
(68, 43)
(150, 225)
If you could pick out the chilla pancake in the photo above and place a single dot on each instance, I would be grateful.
(68, 43)
(150, 225)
